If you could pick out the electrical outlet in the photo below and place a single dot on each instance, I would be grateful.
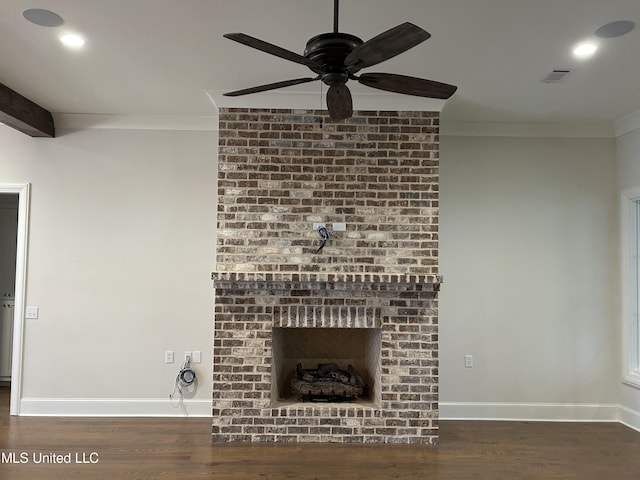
(187, 355)
(339, 227)
(168, 356)
(31, 312)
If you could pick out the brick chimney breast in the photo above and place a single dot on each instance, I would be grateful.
(280, 173)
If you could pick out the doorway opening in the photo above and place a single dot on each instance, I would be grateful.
(8, 251)
(14, 207)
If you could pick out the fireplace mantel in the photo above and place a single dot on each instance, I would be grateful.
(329, 281)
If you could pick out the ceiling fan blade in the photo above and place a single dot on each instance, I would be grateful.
(269, 86)
(339, 102)
(407, 85)
(271, 49)
(385, 46)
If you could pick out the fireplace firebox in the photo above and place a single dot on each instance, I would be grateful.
(326, 364)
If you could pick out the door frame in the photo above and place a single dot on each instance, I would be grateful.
(23, 191)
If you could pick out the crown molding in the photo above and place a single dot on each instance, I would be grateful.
(82, 121)
(496, 129)
(627, 124)
(313, 101)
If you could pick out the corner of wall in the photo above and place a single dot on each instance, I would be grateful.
(627, 124)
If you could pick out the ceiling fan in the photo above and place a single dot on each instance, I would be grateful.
(337, 57)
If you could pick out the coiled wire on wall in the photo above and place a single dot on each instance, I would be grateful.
(185, 380)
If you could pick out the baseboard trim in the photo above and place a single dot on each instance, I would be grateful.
(630, 418)
(130, 407)
(114, 407)
(550, 412)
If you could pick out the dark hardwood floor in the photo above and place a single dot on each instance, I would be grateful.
(5, 398)
(155, 448)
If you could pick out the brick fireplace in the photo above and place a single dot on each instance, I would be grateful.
(368, 299)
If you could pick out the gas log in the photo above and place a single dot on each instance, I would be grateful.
(328, 383)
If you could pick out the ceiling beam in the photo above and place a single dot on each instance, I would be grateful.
(24, 115)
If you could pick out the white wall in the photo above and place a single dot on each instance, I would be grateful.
(121, 250)
(628, 156)
(528, 250)
(122, 244)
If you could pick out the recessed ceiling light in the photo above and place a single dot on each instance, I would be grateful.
(42, 17)
(615, 29)
(72, 40)
(585, 50)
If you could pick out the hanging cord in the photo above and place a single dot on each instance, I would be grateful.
(324, 233)
(186, 378)
(321, 106)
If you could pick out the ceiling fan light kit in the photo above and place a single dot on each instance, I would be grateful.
(336, 57)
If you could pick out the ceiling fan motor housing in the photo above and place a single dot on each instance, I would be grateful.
(328, 51)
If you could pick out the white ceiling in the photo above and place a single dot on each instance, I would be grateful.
(166, 57)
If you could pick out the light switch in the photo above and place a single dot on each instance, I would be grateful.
(31, 312)
(468, 361)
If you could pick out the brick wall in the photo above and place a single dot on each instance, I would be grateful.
(280, 171)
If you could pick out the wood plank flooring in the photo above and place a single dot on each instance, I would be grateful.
(156, 448)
